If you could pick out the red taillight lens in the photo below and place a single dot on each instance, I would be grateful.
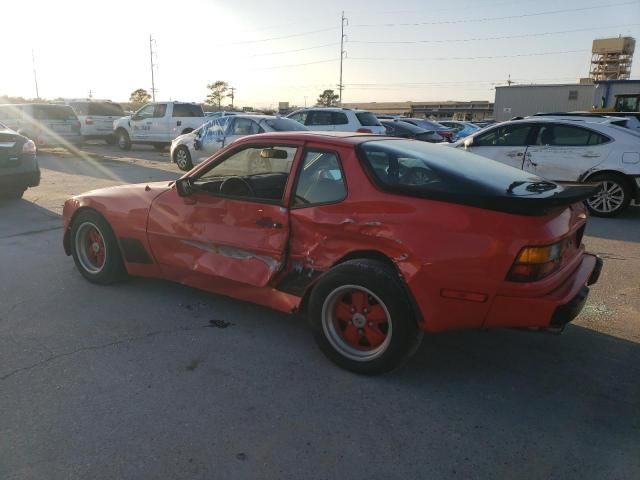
(29, 148)
(88, 121)
(363, 130)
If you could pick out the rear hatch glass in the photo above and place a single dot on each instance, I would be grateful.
(54, 113)
(105, 109)
(368, 119)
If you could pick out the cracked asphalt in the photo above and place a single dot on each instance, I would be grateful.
(151, 380)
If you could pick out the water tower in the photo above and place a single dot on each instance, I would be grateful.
(611, 58)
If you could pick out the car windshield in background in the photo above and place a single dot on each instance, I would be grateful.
(53, 112)
(106, 109)
(406, 126)
(285, 125)
(367, 119)
(187, 110)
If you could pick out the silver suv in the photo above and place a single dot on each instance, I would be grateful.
(338, 120)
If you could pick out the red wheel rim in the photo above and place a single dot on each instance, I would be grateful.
(95, 247)
(357, 322)
(90, 247)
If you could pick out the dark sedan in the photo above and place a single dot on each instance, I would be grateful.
(399, 128)
(445, 132)
(18, 164)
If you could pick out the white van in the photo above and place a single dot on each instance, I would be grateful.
(46, 124)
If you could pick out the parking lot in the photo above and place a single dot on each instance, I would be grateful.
(155, 380)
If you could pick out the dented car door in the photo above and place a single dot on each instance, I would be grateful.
(225, 235)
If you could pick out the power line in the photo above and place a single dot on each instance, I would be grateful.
(502, 37)
(295, 50)
(491, 19)
(467, 58)
(297, 64)
(311, 32)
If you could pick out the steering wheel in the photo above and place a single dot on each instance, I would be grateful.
(236, 186)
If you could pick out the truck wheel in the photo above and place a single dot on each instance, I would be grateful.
(124, 142)
(362, 319)
(95, 249)
(182, 158)
(612, 198)
(160, 147)
(186, 130)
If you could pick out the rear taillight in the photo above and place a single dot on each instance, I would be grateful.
(88, 121)
(29, 148)
(363, 130)
(536, 263)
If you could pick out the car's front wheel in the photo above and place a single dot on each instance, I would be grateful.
(95, 249)
(124, 142)
(13, 194)
(362, 318)
(612, 198)
(182, 157)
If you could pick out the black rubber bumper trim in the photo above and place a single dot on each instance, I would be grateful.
(567, 312)
(595, 274)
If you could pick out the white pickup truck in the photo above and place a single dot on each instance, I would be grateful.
(157, 124)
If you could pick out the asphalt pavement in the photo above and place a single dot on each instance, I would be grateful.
(152, 380)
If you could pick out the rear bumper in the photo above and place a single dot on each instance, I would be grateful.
(554, 309)
(20, 180)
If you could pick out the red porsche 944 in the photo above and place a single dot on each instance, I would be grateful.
(377, 239)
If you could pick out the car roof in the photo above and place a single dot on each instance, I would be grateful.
(333, 109)
(315, 136)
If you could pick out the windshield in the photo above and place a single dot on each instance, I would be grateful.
(284, 125)
(367, 119)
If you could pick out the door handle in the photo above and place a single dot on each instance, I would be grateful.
(267, 222)
(587, 155)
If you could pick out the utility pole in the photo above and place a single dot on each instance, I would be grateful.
(153, 84)
(35, 77)
(233, 89)
(305, 101)
(342, 52)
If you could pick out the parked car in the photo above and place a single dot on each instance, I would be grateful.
(96, 118)
(191, 148)
(445, 132)
(462, 129)
(335, 224)
(566, 151)
(631, 121)
(220, 114)
(46, 124)
(158, 124)
(338, 119)
(18, 164)
(398, 128)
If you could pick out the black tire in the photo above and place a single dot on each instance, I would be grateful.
(182, 158)
(13, 194)
(160, 147)
(111, 140)
(123, 140)
(367, 279)
(186, 130)
(612, 201)
(112, 267)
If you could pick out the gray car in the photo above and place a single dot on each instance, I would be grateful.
(46, 124)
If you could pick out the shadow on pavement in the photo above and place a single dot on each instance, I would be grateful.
(624, 227)
(19, 217)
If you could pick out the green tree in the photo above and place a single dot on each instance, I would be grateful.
(217, 91)
(138, 98)
(327, 99)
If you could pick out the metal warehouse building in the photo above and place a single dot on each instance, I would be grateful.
(523, 100)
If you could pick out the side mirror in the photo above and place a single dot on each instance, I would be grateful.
(468, 142)
(184, 187)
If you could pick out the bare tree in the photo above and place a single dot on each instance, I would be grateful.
(138, 98)
(327, 99)
(217, 91)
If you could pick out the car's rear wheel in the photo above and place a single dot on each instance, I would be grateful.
(124, 142)
(362, 318)
(95, 249)
(612, 198)
(182, 157)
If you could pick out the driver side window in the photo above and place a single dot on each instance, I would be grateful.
(253, 172)
(504, 136)
(145, 112)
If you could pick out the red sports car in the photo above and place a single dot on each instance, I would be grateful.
(378, 239)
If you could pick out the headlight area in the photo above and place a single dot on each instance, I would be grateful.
(534, 263)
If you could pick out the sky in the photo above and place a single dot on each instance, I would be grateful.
(288, 51)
